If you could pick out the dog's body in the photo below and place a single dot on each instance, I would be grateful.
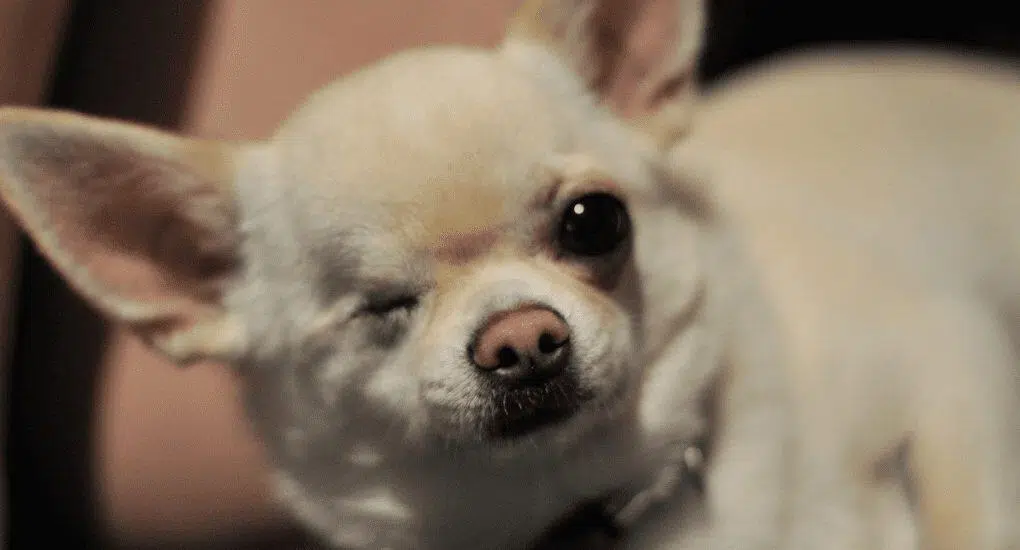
(467, 291)
(878, 194)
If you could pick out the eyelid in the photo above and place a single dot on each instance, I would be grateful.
(379, 305)
(601, 185)
(385, 299)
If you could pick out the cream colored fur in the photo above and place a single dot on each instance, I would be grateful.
(878, 194)
(840, 237)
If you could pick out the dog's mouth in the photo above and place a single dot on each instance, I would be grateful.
(521, 411)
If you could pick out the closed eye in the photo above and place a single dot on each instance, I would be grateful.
(387, 318)
(385, 306)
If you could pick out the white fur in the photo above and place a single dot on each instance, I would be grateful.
(821, 281)
(878, 193)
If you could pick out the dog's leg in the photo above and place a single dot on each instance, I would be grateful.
(967, 441)
(746, 479)
(743, 505)
(748, 472)
(829, 499)
(833, 484)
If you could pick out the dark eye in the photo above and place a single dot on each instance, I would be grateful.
(594, 225)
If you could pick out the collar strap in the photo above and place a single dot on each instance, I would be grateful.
(609, 518)
(685, 470)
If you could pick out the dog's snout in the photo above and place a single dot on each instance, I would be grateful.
(527, 345)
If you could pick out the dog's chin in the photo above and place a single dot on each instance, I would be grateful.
(518, 412)
(502, 419)
(521, 412)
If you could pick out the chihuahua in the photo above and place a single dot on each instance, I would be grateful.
(468, 292)
(465, 290)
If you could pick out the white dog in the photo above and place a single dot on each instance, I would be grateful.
(469, 291)
(464, 297)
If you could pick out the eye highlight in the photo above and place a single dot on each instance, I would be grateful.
(592, 225)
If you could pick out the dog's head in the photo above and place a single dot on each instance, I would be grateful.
(454, 244)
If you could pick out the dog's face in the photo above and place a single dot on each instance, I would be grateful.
(469, 239)
(473, 247)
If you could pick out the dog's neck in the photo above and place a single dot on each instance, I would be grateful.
(453, 503)
(609, 518)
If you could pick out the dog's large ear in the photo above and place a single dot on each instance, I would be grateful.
(141, 222)
(639, 57)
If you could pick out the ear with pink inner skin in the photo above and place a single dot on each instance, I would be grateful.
(638, 57)
(141, 222)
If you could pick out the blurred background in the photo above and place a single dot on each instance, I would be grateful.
(110, 447)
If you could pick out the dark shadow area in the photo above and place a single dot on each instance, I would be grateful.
(744, 31)
(53, 397)
(130, 60)
(125, 59)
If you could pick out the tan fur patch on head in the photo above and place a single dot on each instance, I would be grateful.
(460, 248)
(463, 225)
(460, 215)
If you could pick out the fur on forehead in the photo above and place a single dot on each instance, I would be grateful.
(444, 130)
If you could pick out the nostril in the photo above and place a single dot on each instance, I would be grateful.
(547, 343)
(507, 357)
(520, 341)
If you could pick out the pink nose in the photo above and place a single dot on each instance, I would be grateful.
(529, 344)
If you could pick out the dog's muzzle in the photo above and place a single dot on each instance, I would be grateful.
(524, 355)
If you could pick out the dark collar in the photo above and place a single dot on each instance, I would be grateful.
(601, 521)
(685, 471)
